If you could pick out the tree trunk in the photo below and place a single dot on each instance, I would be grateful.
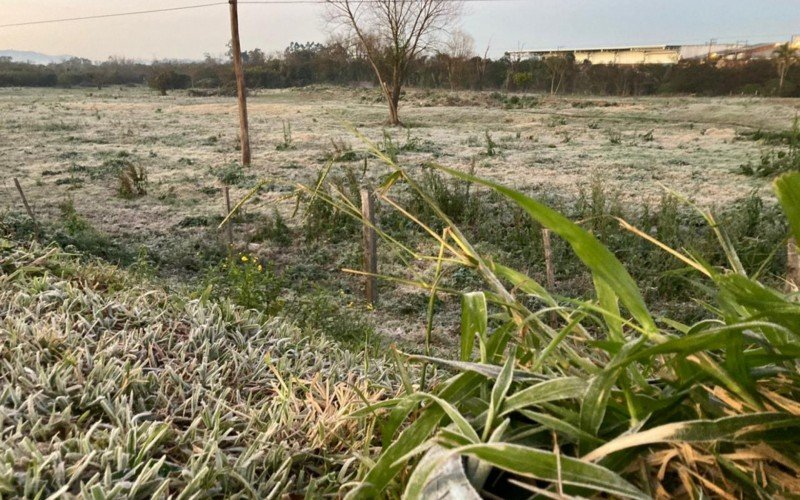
(393, 98)
(782, 78)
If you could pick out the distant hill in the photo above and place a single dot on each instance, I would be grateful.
(33, 57)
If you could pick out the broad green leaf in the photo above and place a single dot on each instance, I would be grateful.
(488, 371)
(595, 401)
(609, 302)
(787, 188)
(562, 427)
(723, 429)
(499, 391)
(549, 390)
(474, 318)
(586, 246)
(547, 466)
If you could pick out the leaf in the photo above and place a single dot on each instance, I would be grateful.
(474, 318)
(563, 427)
(595, 402)
(546, 466)
(787, 189)
(488, 371)
(549, 390)
(608, 302)
(727, 428)
(499, 391)
(440, 474)
(592, 253)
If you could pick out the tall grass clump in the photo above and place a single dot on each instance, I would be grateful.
(605, 399)
(782, 156)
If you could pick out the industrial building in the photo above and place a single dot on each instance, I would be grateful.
(659, 54)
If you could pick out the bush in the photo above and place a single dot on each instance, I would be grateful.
(169, 79)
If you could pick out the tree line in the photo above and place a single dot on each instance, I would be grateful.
(336, 63)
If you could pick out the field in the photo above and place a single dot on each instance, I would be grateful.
(688, 144)
(72, 144)
(187, 366)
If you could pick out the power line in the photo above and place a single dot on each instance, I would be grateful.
(118, 14)
(198, 6)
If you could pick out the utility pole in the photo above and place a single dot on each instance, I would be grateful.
(241, 89)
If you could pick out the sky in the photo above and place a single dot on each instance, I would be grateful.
(500, 25)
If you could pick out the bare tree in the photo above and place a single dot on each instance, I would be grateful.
(480, 66)
(558, 66)
(459, 48)
(786, 56)
(392, 34)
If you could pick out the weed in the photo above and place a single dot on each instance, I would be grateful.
(132, 182)
(491, 146)
(274, 229)
(389, 147)
(234, 175)
(247, 281)
(776, 161)
(287, 143)
(322, 313)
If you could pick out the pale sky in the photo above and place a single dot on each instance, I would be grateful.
(502, 24)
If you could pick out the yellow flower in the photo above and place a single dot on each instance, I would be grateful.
(260, 268)
(244, 258)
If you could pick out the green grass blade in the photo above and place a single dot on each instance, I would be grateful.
(550, 390)
(474, 318)
(546, 466)
(787, 189)
(499, 391)
(592, 253)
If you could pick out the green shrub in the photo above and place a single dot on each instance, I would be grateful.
(247, 281)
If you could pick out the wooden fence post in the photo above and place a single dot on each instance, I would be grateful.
(370, 242)
(27, 207)
(549, 270)
(792, 266)
(228, 227)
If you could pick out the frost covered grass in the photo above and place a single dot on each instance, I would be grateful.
(108, 387)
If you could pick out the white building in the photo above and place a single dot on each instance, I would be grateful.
(657, 54)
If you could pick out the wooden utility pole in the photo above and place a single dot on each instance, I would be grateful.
(370, 247)
(241, 89)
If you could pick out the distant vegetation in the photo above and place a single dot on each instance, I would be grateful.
(313, 63)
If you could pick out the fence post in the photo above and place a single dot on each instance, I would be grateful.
(792, 266)
(27, 207)
(370, 242)
(549, 270)
(228, 227)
